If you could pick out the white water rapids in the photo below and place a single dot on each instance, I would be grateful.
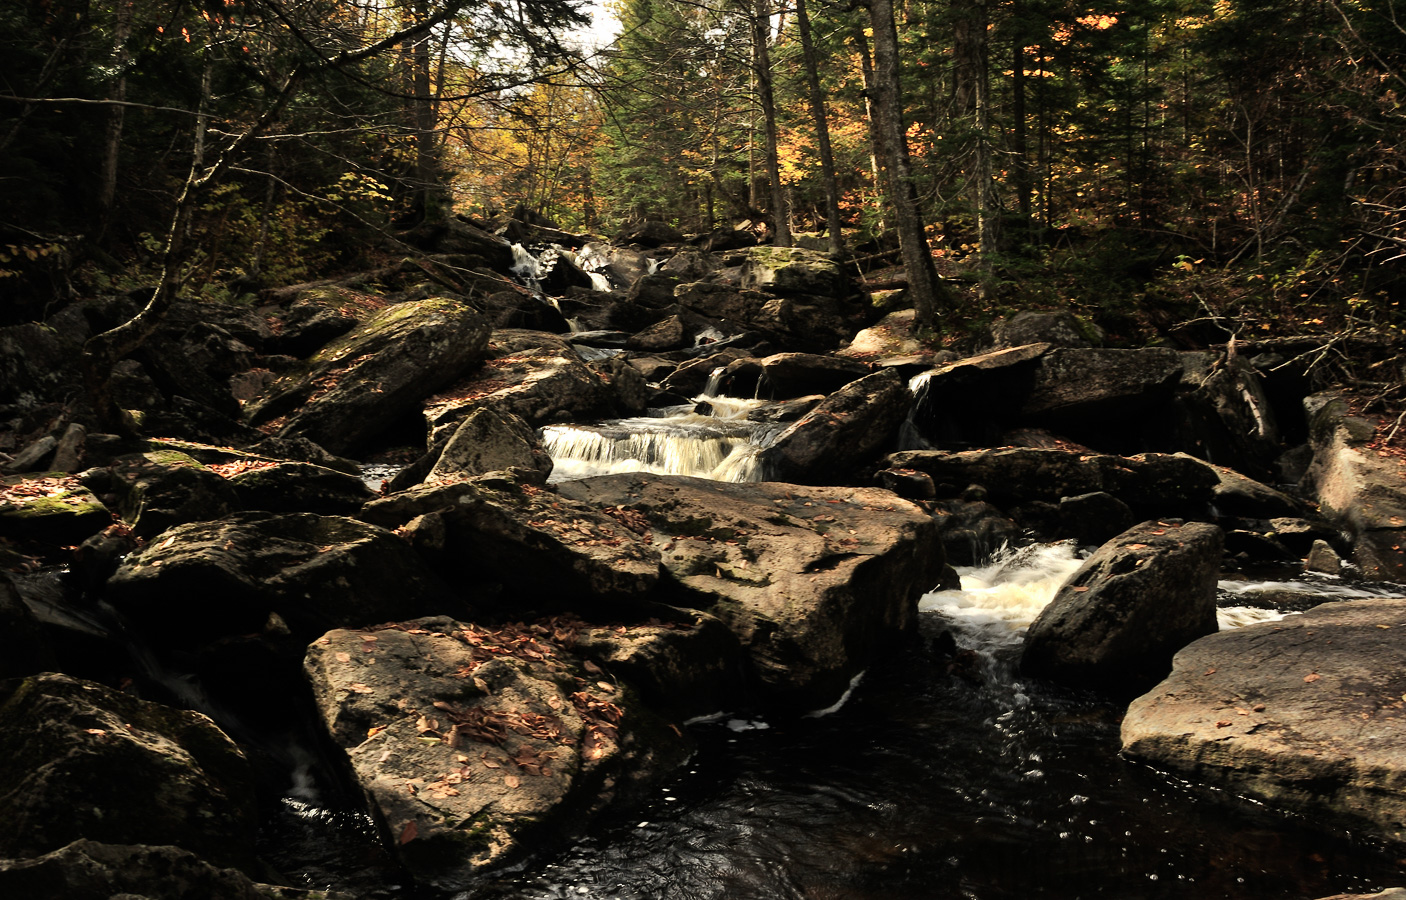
(723, 445)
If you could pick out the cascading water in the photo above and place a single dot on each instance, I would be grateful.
(721, 444)
(948, 776)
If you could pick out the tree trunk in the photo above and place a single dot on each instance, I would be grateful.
(866, 69)
(988, 213)
(822, 132)
(926, 291)
(761, 58)
(112, 133)
(427, 199)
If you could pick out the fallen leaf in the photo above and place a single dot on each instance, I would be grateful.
(1258, 707)
(1312, 678)
(512, 781)
(1080, 589)
(1223, 723)
(409, 832)
(357, 687)
(1211, 670)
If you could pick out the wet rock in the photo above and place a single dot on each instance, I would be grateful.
(540, 552)
(55, 509)
(628, 388)
(691, 378)
(1150, 484)
(1238, 495)
(669, 333)
(292, 487)
(973, 530)
(475, 745)
(357, 386)
(1117, 621)
(815, 581)
(203, 580)
(973, 400)
(850, 427)
(1357, 488)
(491, 441)
(161, 488)
(1303, 714)
(85, 761)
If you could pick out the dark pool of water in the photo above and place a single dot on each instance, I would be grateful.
(926, 785)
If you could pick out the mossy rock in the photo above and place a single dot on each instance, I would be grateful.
(52, 508)
(165, 487)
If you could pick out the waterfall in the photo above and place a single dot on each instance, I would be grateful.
(526, 267)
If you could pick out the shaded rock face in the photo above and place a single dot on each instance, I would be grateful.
(793, 271)
(785, 376)
(1304, 714)
(23, 650)
(845, 430)
(535, 550)
(1117, 621)
(1358, 489)
(208, 579)
(815, 582)
(292, 487)
(474, 744)
(490, 441)
(161, 488)
(1150, 484)
(1227, 415)
(90, 870)
(84, 761)
(365, 381)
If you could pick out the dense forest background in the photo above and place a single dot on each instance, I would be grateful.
(1184, 169)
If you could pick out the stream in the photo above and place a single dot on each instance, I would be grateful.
(950, 777)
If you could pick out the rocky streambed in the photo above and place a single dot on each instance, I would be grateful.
(487, 662)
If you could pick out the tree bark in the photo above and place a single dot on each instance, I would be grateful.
(112, 132)
(928, 294)
(822, 132)
(761, 57)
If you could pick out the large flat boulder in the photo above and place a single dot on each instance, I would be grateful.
(815, 581)
(1305, 714)
(1115, 624)
(527, 546)
(364, 381)
(205, 580)
(474, 744)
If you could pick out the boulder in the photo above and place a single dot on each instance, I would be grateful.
(38, 360)
(1304, 715)
(892, 337)
(816, 582)
(489, 440)
(792, 270)
(363, 382)
(843, 432)
(84, 761)
(1115, 624)
(649, 233)
(90, 870)
(1058, 329)
(294, 487)
(536, 376)
(536, 550)
(1151, 484)
(476, 744)
(784, 376)
(973, 400)
(160, 488)
(1082, 384)
(23, 649)
(54, 508)
(1358, 488)
(973, 530)
(205, 580)
(1227, 415)
(308, 326)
